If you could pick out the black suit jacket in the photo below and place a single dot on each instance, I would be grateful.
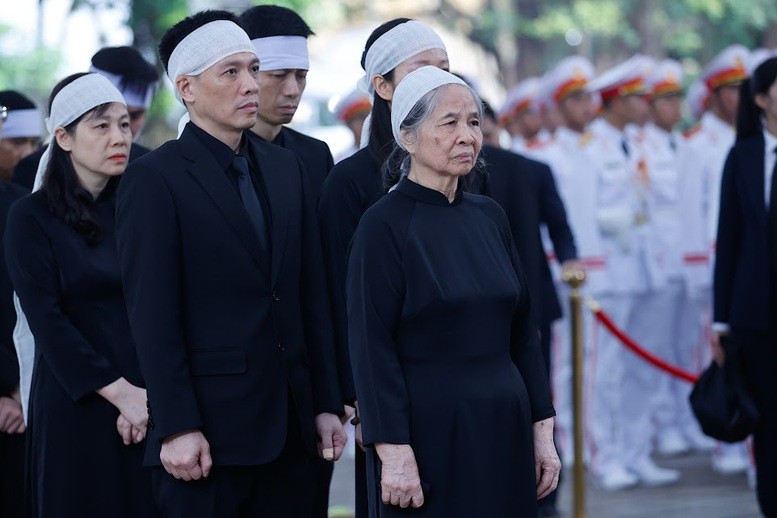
(741, 287)
(527, 192)
(9, 366)
(314, 154)
(25, 170)
(222, 342)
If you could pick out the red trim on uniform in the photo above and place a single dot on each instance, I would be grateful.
(696, 258)
(593, 263)
(666, 88)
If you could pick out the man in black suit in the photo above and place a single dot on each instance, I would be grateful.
(280, 38)
(226, 295)
(135, 78)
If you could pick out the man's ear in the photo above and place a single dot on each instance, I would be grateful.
(184, 84)
(383, 88)
(64, 139)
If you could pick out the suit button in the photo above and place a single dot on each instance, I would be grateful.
(280, 346)
(275, 296)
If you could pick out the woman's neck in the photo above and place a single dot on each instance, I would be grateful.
(444, 183)
(94, 183)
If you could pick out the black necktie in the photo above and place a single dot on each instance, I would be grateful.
(625, 146)
(250, 200)
(672, 143)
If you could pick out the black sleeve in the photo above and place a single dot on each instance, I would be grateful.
(524, 342)
(728, 240)
(33, 268)
(25, 171)
(149, 246)
(554, 216)
(316, 314)
(339, 212)
(375, 298)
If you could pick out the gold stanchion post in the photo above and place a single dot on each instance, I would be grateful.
(575, 278)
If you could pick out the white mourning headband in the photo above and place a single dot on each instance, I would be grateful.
(282, 53)
(21, 123)
(206, 46)
(82, 95)
(395, 46)
(133, 97)
(412, 88)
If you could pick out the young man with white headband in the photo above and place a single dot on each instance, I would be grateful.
(279, 36)
(21, 131)
(226, 295)
(134, 77)
(392, 51)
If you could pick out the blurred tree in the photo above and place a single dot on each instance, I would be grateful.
(31, 71)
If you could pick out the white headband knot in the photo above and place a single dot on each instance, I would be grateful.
(412, 88)
(206, 46)
(282, 53)
(82, 95)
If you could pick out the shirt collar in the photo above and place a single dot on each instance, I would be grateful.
(220, 151)
(770, 141)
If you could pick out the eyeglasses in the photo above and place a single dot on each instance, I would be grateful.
(3, 113)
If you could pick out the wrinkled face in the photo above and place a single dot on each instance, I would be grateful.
(13, 150)
(99, 144)
(768, 103)
(279, 94)
(577, 110)
(225, 97)
(667, 111)
(137, 115)
(449, 140)
(433, 57)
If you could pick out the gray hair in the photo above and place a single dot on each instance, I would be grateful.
(397, 165)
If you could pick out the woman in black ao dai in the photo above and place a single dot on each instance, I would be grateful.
(454, 402)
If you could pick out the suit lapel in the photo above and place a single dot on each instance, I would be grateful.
(277, 196)
(204, 168)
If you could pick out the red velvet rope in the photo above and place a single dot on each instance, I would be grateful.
(634, 347)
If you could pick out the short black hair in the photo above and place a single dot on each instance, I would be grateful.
(263, 21)
(175, 34)
(126, 62)
(13, 100)
(488, 111)
(380, 31)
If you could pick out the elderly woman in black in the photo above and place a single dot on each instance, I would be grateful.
(455, 403)
(61, 253)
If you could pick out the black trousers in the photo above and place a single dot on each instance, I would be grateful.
(758, 356)
(285, 487)
(360, 471)
(12, 501)
(323, 473)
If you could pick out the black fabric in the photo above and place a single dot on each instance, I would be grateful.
(250, 199)
(9, 368)
(222, 341)
(719, 400)
(314, 154)
(758, 355)
(72, 296)
(12, 497)
(742, 290)
(772, 238)
(527, 192)
(284, 487)
(25, 170)
(444, 351)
